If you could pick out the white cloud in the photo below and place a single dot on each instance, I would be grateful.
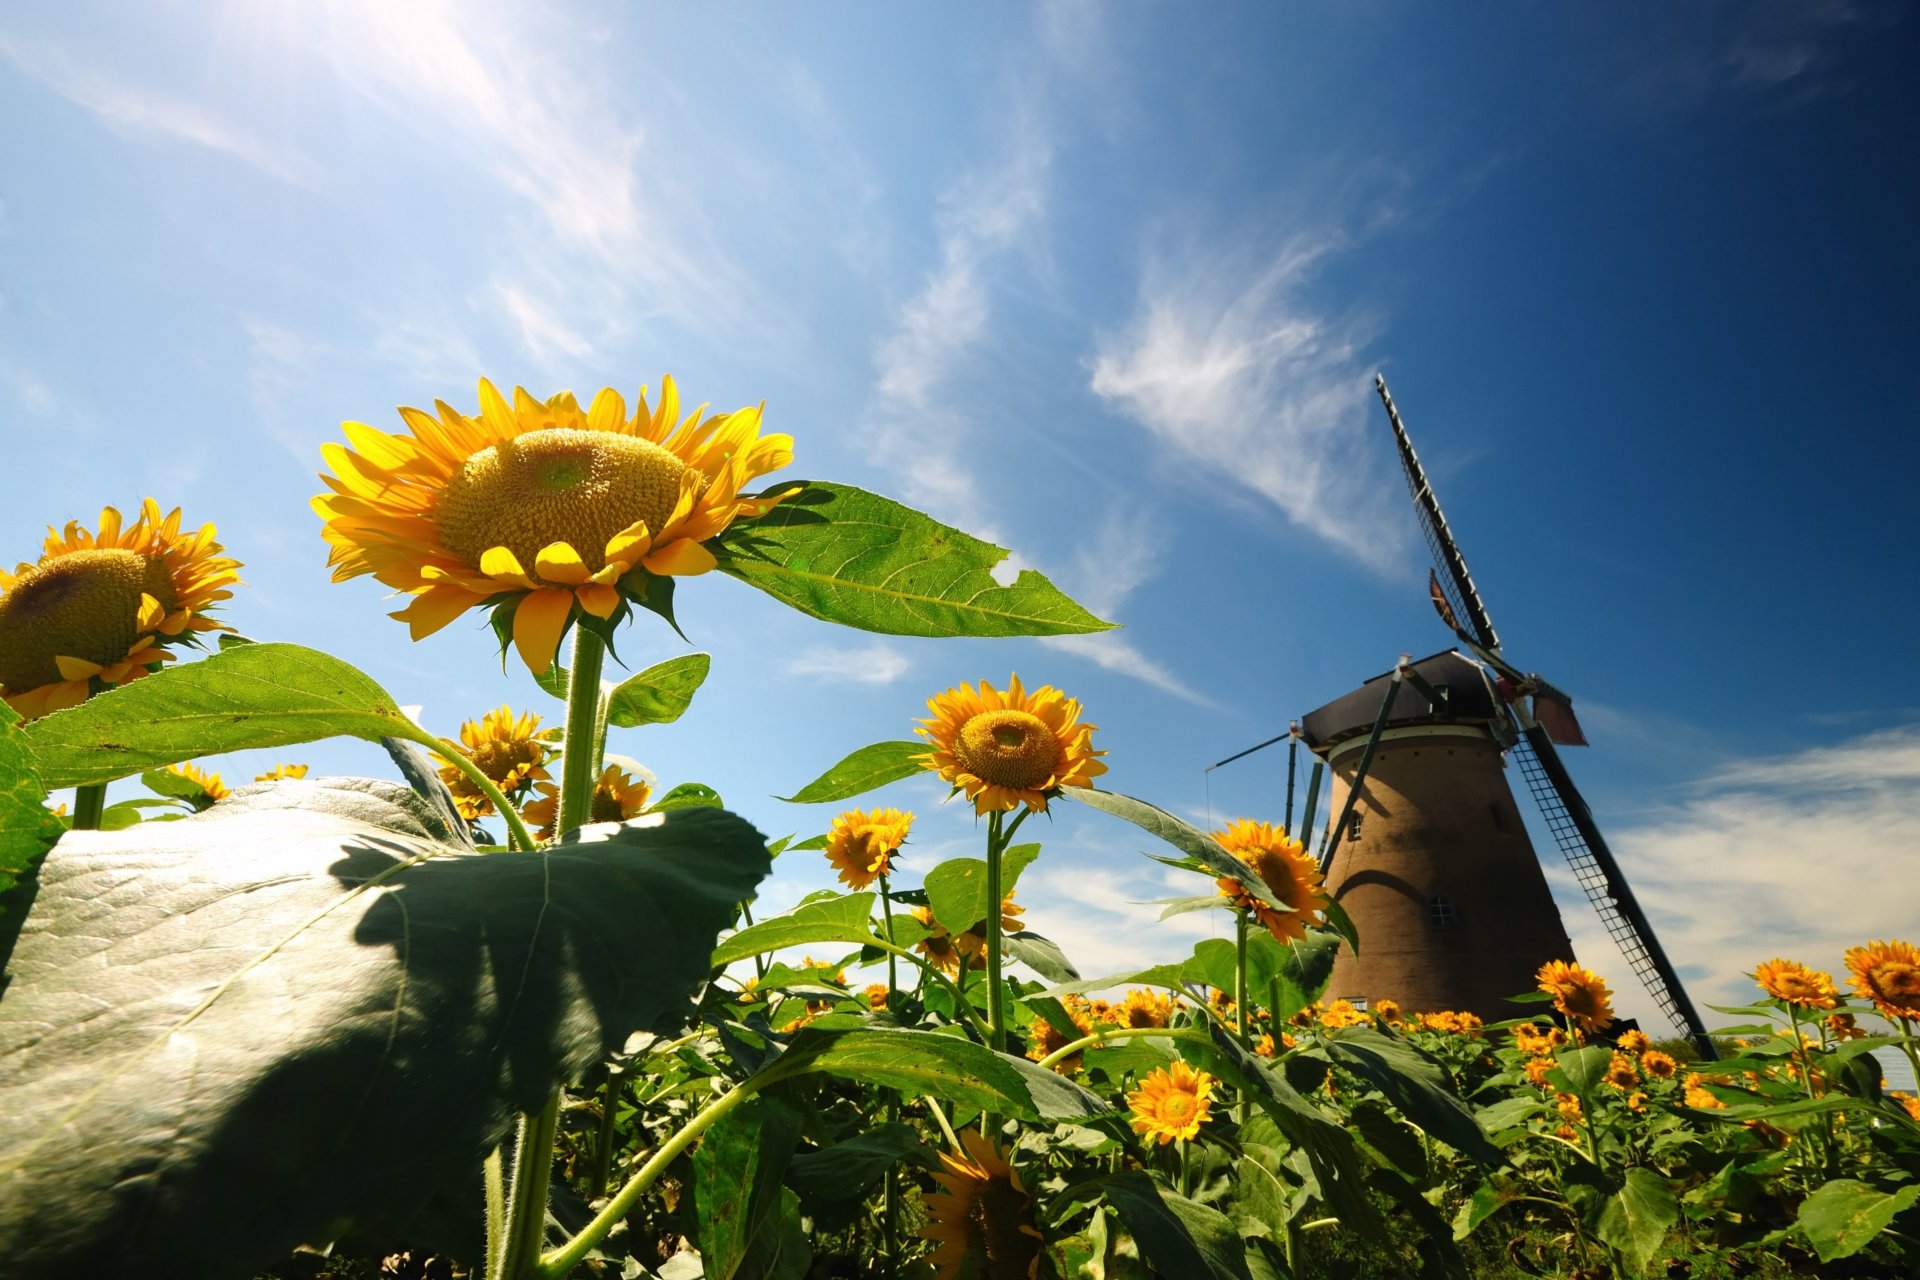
(876, 663)
(1107, 922)
(918, 432)
(149, 113)
(544, 333)
(1802, 856)
(1226, 366)
(29, 390)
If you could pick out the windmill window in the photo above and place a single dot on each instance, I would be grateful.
(1440, 911)
(1353, 826)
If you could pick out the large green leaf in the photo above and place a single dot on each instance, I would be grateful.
(252, 695)
(660, 694)
(848, 918)
(1177, 1236)
(1416, 1084)
(853, 557)
(924, 1063)
(1303, 972)
(1199, 847)
(1638, 1216)
(736, 1180)
(848, 1170)
(867, 769)
(957, 888)
(300, 1011)
(1844, 1215)
(27, 827)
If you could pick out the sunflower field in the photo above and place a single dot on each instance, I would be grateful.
(322, 1026)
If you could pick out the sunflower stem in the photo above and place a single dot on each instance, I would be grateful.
(946, 1126)
(89, 802)
(517, 833)
(1240, 993)
(527, 1205)
(996, 1011)
(493, 1176)
(603, 1145)
(893, 974)
(1104, 1034)
(581, 763)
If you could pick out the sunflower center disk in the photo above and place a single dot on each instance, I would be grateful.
(85, 604)
(498, 759)
(557, 485)
(1009, 749)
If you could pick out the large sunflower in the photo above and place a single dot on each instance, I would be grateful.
(1887, 973)
(1287, 870)
(982, 1212)
(1012, 748)
(617, 796)
(542, 510)
(1795, 984)
(508, 749)
(1579, 993)
(861, 843)
(104, 606)
(1171, 1102)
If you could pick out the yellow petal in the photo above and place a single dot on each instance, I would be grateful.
(680, 559)
(608, 411)
(434, 608)
(600, 601)
(76, 668)
(498, 562)
(559, 562)
(538, 624)
(150, 615)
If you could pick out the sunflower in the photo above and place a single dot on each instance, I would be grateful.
(875, 994)
(1795, 984)
(938, 945)
(1621, 1071)
(1887, 973)
(1841, 1026)
(1008, 749)
(1537, 1069)
(1658, 1065)
(1341, 1013)
(280, 771)
(1286, 869)
(105, 606)
(982, 1213)
(861, 844)
(1568, 1105)
(1144, 1008)
(212, 789)
(1531, 1038)
(1632, 1042)
(1908, 1103)
(510, 750)
(1171, 1103)
(1387, 1010)
(541, 510)
(1043, 1039)
(1697, 1094)
(1580, 994)
(617, 796)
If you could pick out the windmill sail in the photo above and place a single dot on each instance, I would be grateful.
(1455, 588)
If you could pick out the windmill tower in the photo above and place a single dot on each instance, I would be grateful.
(1427, 853)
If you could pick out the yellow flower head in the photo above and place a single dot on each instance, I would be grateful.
(1341, 1013)
(212, 790)
(1171, 1103)
(1387, 1010)
(861, 844)
(1287, 870)
(1632, 1042)
(982, 1213)
(280, 771)
(1008, 749)
(1537, 1069)
(938, 945)
(540, 509)
(509, 749)
(1841, 1026)
(973, 943)
(1451, 1022)
(617, 796)
(876, 995)
(1567, 1104)
(1697, 1094)
(105, 606)
(1658, 1065)
(1579, 993)
(1532, 1038)
(1636, 1101)
(1043, 1040)
(1622, 1073)
(1146, 1008)
(1796, 984)
(1887, 973)
(1908, 1103)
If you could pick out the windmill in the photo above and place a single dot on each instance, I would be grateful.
(1423, 802)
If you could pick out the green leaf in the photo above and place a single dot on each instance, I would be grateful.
(1416, 1084)
(1487, 1199)
(252, 695)
(1584, 1068)
(1507, 1113)
(27, 827)
(838, 919)
(865, 770)
(1304, 971)
(1176, 1236)
(660, 694)
(226, 1035)
(1843, 1216)
(1188, 839)
(688, 795)
(848, 556)
(924, 1063)
(957, 889)
(1042, 955)
(1637, 1216)
(737, 1171)
(1174, 977)
(847, 1170)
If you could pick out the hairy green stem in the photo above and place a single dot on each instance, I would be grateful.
(893, 972)
(517, 833)
(527, 1207)
(89, 802)
(996, 1012)
(1104, 1034)
(493, 1175)
(603, 1145)
(581, 762)
(946, 1126)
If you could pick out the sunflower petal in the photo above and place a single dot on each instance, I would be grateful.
(597, 599)
(681, 559)
(435, 607)
(559, 562)
(538, 624)
(76, 668)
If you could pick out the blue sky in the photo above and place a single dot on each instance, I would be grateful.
(1107, 284)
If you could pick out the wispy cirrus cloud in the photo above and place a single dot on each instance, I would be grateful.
(1798, 855)
(1234, 373)
(149, 113)
(876, 663)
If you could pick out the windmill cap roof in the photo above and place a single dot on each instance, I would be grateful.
(1470, 700)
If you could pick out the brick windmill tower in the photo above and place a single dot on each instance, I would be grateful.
(1428, 853)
